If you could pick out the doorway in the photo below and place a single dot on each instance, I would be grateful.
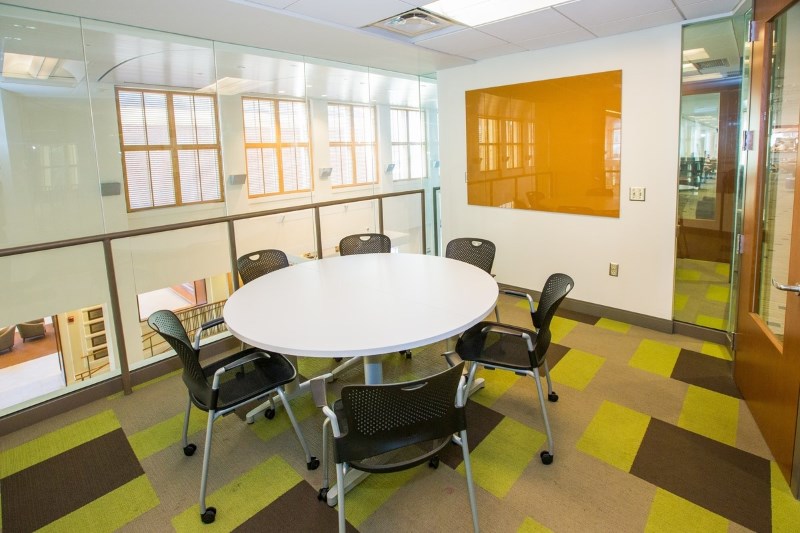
(767, 367)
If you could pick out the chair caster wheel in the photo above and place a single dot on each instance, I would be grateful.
(189, 450)
(434, 462)
(553, 397)
(269, 413)
(209, 516)
(338, 359)
(313, 464)
(407, 353)
(323, 494)
(547, 457)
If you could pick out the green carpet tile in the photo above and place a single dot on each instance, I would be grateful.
(651, 434)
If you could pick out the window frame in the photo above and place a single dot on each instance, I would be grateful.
(408, 143)
(352, 146)
(278, 145)
(173, 147)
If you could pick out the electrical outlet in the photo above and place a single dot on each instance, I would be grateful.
(613, 269)
(636, 194)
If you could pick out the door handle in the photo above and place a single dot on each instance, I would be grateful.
(787, 288)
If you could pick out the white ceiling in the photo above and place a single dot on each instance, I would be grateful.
(333, 29)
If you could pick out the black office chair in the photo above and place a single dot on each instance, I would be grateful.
(377, 427)
(256, 264)
(476, 252)
(234, 380)
(365, 243)
(520, 350)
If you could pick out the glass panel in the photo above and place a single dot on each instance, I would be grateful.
(550, 145)
(55, 336)
(49, 188)
(402, 222)
(165, 270)
(708, 184)
(781, 170)
(742, 20)
(293, 233)
(338, 221)
(161, 87)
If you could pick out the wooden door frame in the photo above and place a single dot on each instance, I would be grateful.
(771, 400)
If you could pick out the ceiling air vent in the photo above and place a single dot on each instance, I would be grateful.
(413, 23)
(710, 64)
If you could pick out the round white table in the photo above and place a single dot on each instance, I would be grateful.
(360, 305)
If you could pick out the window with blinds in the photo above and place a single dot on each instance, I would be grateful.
(170, 148)
(276, 144)
(351, 133)
(408, 144)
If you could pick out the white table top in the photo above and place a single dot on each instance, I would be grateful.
(360, 305)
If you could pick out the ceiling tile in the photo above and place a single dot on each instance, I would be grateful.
(693, 9)
(567, 37)
(493, 51)
(650, 20)
(350, 13)
(461, 42)
(539, 23)
(589, 13)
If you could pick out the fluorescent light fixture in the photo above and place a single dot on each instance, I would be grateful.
(28, 67)
(702, 77)
(695, 54)
(477, 12)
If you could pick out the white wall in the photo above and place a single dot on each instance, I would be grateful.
(533, 244)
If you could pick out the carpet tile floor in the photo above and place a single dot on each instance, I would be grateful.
(651, 434)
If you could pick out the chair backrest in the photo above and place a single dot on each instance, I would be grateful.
(477, 252)
(554, 291)
(365, 243)
(382, 418)
(256, 264)
(169, 326)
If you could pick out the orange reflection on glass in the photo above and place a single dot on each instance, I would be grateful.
(551, 145)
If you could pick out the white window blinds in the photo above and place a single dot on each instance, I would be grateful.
(277, 146)
(409, 151)
(351, 133)
(170, 148)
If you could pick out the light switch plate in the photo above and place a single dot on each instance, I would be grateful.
(636, 194)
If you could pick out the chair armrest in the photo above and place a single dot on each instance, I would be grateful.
(449, 358)
(206, 325)
(319, 389)
(249, 358)
(334, 420)
(507, 329)
(520, 294)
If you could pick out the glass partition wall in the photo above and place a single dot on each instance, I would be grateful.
(111, 132)
(709, 182)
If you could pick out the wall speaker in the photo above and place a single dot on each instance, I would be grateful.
(237, 179)
(110, 188)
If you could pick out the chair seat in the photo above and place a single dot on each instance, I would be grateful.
(250, 380)
(401, 458)
(492, 348)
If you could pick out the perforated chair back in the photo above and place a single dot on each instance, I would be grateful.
(256, 264)
(382, 418)
(477, 252)
(365, 243)
(169, 326)
(554, 291)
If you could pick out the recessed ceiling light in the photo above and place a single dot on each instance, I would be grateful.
(477, 12)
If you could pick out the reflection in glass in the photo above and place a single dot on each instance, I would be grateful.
(550, 145)
(781, 171)
(707, 172)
